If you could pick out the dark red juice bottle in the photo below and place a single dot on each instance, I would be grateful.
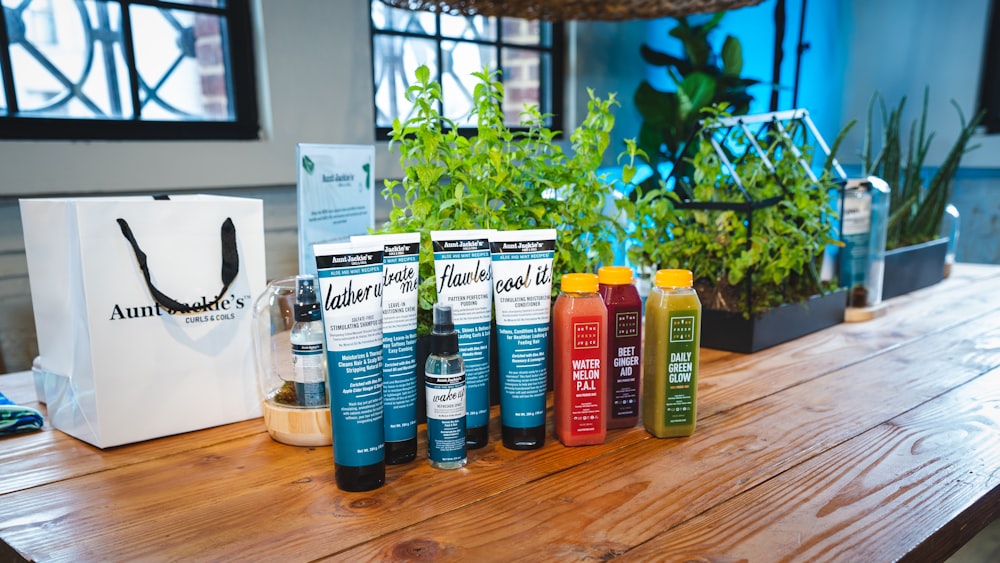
(624, 344)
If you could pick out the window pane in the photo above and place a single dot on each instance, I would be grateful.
(182, 65)
(460, 46)
(184, 70)
(477, 28)
(209, 3)
(69, 64)
(396, 64)
(522, 71)
(398, 19)
(457, 82)
(527, 32)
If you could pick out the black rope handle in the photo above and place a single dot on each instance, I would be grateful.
(230, 267)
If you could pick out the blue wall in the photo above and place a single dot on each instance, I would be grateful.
(859, 47)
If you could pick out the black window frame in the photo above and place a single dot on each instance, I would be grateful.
(246, 124)
(557, 57)
(989, 76)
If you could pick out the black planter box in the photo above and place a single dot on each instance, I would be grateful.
(724, 330)
(913, 267)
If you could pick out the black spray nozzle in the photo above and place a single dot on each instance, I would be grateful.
(444, 337)
(442, 319)
(306, 303)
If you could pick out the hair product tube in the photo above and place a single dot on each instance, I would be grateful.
(350, 279)
(522, 288)
(400, 281)
(462, 269)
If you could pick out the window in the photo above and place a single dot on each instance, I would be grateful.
(989, 89)
(529, 54)
(126, 69)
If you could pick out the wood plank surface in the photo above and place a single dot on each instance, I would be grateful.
(788, 414)
(869, 500)
(600, 510)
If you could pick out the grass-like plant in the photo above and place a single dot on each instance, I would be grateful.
(917, 201)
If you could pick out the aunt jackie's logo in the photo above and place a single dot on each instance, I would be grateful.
(338, 177)
(231, 303)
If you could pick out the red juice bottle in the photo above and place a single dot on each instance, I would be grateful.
(579, 325)
(624, 344)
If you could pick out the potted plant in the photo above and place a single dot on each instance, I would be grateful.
(915, 251)
(752, 221)
(499, 178)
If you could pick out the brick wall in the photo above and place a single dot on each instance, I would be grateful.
(521, 69)
(211, 66)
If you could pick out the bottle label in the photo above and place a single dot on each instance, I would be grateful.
(399, 379)
(351, 283)
(400, 285)
(856, 231)
(682, 364)
(585, 376)
(310, 374)
(445, 417)
(399, 352)
(522, 294)
(523, 352)
(624, 354)
(463, 279)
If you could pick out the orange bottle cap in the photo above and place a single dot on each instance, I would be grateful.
(614, 275)
(579, 283)
(673, 278)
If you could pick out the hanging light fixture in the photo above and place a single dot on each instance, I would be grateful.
(562, 10)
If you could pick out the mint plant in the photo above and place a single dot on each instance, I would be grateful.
(499, 178)
(770, 227)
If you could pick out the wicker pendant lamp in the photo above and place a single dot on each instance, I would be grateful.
(562, 10)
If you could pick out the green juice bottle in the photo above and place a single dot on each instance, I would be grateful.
(670, 366)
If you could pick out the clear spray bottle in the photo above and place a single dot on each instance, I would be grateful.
(444, 377)
(307, 345)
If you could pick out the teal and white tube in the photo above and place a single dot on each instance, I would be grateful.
(462, 271)
(400, 282)
(350, 279)
(522, 290)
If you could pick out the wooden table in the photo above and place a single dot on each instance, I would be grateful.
(871, 441)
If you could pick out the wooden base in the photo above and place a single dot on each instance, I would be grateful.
(298, 426)
(862, 314)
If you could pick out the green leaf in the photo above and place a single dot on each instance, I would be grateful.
(695, 92)
(423, 74)
(656, 58)
(653, 105)
(732, 57)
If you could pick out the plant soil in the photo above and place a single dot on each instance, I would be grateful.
(732, 298)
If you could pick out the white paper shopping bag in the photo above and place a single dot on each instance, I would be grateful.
(143, 308)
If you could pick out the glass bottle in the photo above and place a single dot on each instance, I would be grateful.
(580, 323)
(306, 338)
(624, 344)
(670, 370)
(444, 378)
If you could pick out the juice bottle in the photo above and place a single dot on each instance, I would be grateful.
(670, 369)
(580, 322)
(624, 344)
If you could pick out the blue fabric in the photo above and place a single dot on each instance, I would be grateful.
(14, 418)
